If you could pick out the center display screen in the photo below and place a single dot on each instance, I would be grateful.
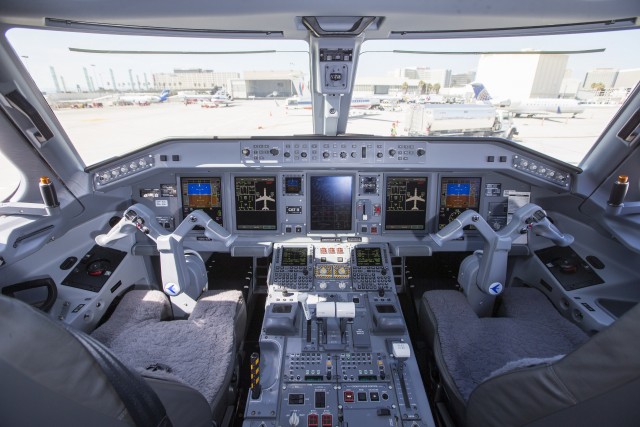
(256, 203)
(204, 194)
(456, 196)
(294, 257)
(406, 203)
(331, 203)
(368, 257)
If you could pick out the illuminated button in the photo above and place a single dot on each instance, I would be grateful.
(327, 420)
(348, 397)
(340, 250)
(323, 250)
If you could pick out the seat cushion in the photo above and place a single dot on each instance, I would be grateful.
(198, 351)
(532, 305)
(470, 349)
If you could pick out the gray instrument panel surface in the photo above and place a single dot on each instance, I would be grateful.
(324, 371)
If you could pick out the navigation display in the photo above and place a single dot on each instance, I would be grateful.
(406, 203)
(256, 203)
(456, 196)
(294, 257)
(331, 203)
(368, 257)
(202, 193)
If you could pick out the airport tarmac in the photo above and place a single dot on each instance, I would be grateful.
(101, 133)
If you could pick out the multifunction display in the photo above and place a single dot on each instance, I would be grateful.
(292, 185)
(456, 196)
(202, 193)
(368, 257)
(294, 256)
(331, 203)
(256, 203)
(406, 203)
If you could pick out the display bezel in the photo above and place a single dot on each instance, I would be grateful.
(360, 249)
(310, 180)
(181, 196)
(441, 179)
(385, 203)
(255, 227)
(299, 249)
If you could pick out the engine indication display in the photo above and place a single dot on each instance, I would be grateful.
(202, 193)
(456, 196)
(331, 203)
(294, 256)
(256, 203)
(368, 257)
(406, 205)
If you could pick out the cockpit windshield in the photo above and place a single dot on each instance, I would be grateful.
(554, 94)
(117, 93)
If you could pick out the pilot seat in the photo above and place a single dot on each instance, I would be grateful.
(530, 366)
(138, 368)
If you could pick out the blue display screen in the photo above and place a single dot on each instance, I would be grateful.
(458, 189)
(198, 188)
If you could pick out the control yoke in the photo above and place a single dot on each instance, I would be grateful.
(492, 269)
(183, 274)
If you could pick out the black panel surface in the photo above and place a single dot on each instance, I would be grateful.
(568, 268)
(94, 269)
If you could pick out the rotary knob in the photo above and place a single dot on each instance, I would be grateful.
(420, 152)
(379, 155)
(246, 152)
(274, 151)
(303, 154)
(343, 155)
(392, 152)
(287, 154)
(326, 154)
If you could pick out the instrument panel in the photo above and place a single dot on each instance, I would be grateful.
(267, 192)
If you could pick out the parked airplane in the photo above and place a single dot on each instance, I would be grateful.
(219, 98)
(530, 106)
(142, 99)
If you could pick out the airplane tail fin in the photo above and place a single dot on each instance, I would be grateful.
(164, 95)
(480, 93)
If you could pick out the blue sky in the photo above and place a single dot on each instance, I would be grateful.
(41, 49)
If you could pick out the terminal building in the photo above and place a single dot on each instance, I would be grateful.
(193, 79)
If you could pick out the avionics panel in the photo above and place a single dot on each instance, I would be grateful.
(294, 256)
(331, 202)
(202, 193)
(368, 256)
(406, 205)
(256, 203)
(457, 194)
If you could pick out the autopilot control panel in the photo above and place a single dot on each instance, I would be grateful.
(334, 347)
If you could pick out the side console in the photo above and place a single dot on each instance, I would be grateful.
(334, 347)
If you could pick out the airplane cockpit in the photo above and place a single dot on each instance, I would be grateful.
(271, 215)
